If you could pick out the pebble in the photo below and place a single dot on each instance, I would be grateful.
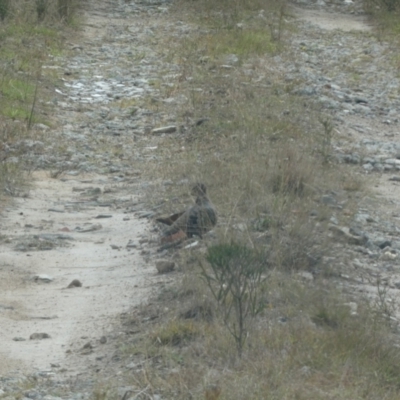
(75, 283)
(43, 278)
(103, 340)
(164, 129)
(39, 336)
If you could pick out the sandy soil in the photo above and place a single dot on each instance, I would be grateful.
(113, 279)
(331, 21)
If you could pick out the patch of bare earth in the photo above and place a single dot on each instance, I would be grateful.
(55, 236)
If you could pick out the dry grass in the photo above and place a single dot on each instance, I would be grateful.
(28, 39)
(305, 345)
(384, 15)
(263, 153)
(266, 157)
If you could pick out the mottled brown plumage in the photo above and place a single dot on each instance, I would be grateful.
(197, 220)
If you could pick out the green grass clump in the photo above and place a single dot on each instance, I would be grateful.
(239, 42)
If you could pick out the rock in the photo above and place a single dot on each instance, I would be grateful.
(191, 245)
(356, 231)
(43, 278)
(353, 307)
(165, 266)
(132, 245)
(164, 129)
(382, 243)
(352, 159)
(91, 228)
(328, 199)
(75, 283)
(388, 256)
(103, 340)
(344, 234)
(39, 336)
(145, 214)
(397, 285)
(231, 59)
(19, 339)
(307, 276)
(87, 349)
(57, 210)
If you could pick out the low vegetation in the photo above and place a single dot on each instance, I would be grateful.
(385, 16)
(31, 32)
(258, 313)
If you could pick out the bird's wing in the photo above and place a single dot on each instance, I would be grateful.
(171, 219)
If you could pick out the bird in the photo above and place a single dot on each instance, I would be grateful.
(196, 220)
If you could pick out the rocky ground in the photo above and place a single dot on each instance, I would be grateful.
(85, 219)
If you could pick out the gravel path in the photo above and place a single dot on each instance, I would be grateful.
(75, 250)
(353, 76)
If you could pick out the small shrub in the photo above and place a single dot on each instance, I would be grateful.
(41, 8)
(235, 280)
(65, 9)
(4, 8)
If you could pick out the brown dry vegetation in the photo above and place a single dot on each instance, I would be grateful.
(266, 157)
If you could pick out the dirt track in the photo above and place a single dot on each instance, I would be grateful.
(112, 279)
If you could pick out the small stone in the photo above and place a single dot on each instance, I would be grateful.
(164, 129)
(388, 256)
(39, 336)
(241, 227)
(328, 199)
(353, 307)
(356, 231)
(191, 245)
(43, 278)
(352, 159)
(382, 243)
(368, 167)
(74, 283)
(307, 276)
(19, 339)
(165, 266)
(103, 340)
(231, 59)
(91, 228)
(145, 214)
(344, 234)
(132, 244)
